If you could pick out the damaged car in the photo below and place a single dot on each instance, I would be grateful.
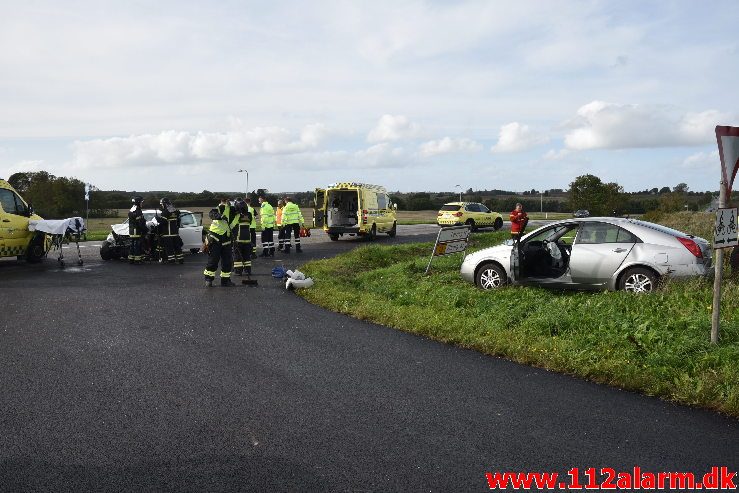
(604, 253)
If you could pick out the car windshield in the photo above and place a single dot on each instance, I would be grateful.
(450, 207)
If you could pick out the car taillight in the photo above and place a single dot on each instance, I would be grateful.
(691, 246)
(364, 216)
(458, 214)
(439, 214)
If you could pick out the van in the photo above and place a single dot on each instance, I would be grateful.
(15, 238)
(354, 209)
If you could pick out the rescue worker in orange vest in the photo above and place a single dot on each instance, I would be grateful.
(218, 243)
(278, 222)
(519, 220)
(242, 240)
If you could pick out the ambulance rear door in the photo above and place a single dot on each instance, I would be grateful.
(319, 208)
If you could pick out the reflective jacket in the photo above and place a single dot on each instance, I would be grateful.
(253, 224)
(169, 222)
(225, 223)
(267, 213)
(136, 222)
(241, 231)
(291, 214)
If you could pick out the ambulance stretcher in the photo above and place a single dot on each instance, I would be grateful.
(60, 231)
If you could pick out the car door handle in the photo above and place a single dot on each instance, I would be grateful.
(6, 220)
(619, 250)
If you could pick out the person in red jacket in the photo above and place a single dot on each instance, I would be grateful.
(519, 220)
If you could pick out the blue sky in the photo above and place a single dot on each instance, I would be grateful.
(411, 95)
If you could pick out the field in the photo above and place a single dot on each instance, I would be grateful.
(657, 344)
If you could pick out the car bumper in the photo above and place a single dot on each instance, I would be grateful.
(467, 271)
(344, 231)
(448, 223)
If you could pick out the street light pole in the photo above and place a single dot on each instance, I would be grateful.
(460, 191)
(247, 181)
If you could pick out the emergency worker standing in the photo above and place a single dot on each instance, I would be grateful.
(519, 220)
(292, 221)
(136, 230)
(218, 243)
(170, 232)
(242, 240)
(267, 219)
(278, 221)
(252, 227)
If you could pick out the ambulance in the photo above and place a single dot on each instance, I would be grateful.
(15, 238)
(350, 208)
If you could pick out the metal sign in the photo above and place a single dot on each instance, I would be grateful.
(725, 229)
(728, 150)
(449, 241)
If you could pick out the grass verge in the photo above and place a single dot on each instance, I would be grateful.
(657, 344)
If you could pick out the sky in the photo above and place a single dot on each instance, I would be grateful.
(412, 95)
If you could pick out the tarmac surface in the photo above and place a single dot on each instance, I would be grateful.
(138, 378)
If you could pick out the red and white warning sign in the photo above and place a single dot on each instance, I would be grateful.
(728, 151)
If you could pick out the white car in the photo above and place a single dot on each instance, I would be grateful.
(592, 253)
(191, 233)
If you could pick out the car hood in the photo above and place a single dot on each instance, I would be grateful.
(500, 252)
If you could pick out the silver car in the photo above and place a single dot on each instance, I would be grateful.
(591, 253)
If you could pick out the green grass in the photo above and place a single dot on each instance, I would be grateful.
(657, 344)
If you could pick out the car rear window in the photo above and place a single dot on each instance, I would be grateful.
(450, 208)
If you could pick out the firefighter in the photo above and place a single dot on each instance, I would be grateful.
(242, 240)
(267, 219)
(136, 230)
(278, 222)
(169, 223)
(218, 243)
(292, 221)
(252, 227)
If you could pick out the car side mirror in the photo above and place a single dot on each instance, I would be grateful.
(395, 207)
(509, 242)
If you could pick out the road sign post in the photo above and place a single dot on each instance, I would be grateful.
(450, 241)
(727, 139)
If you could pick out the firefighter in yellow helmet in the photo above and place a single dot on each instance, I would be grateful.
(242, 240)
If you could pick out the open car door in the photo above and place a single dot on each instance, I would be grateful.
(516, 261)
(319, 208)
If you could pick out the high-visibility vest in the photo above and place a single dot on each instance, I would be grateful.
(291, 214)
(227, 222)
(278, 216)
(267, 215)
(253, 224)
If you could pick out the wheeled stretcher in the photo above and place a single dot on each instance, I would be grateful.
(59, 232)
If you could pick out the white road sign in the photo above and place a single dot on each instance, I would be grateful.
(453, 234)
(725, 229)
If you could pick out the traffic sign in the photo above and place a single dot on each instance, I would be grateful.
(728, 150)
(725, 229)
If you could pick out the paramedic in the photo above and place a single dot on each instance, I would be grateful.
(292, 221)
(519, 220)
(267, 218)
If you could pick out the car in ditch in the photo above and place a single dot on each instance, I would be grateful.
(595, 253)
(191, 232)
(473, 214)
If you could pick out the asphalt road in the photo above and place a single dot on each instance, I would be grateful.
(137, 378)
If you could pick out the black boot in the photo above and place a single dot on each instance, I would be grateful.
(208, 282)
(226, 282)
(287, 248)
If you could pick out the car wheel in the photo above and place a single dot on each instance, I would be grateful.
(106, 253)
(334, 237)
(490, 276)
(35, 251)
(393, 231)
(471, 224)
(638, 280)
(498, 223)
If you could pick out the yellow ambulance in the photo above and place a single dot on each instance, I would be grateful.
(15, 238)
(350, 208)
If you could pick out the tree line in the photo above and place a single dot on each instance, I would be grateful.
(53, 196)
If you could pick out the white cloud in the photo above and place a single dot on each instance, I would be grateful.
(556, 155)
(28, 166)
(601, 125)
(392, 127)
(448, 145)
(515, 137)
(702, 160)
(173, 147)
